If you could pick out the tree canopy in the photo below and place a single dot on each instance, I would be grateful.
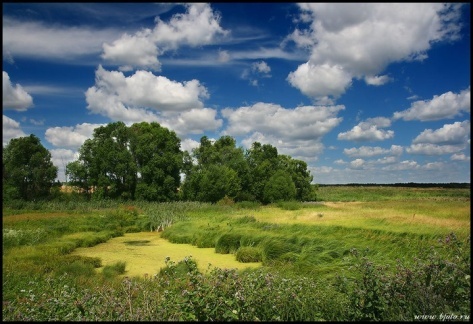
(218, 169)
(144, 161)
(28, 172)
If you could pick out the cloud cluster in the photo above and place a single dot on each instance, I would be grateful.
(370, 151)
(369, 130)
(70, 137)
(11, 129)
(360, 40)
(447, 105)
(14, 96)
(301, 123)
(297, 132)
(198, 26)
(144, 96)
(451, 138)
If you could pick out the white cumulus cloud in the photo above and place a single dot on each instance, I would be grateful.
(144, 96)
(369, 130)
(369, 151)
(72, 137)
(14, 96)
(198, 26)
(433, 149)
(459, 157)
(301, 123)
(359, 40)
(447, 105)
(456, 133)
(11, 129)
(128, 98)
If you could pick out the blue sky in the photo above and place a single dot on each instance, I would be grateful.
(364, 93)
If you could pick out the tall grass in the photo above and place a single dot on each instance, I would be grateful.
(386, 257)
(384, 193)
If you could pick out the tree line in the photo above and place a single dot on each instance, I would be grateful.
(144, 161)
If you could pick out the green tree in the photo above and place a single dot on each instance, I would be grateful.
(216, 182)
(78, 175)
(279, 187)
(220, 170)
(263, 163)
(301, 177)
(28, 172)
(142, 161)
(109, 164)
(157, 153)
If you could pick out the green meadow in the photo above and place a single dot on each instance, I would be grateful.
(358, 253)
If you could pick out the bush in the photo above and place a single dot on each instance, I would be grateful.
(438, 283)
(279, 187)
(274, 248)
(205, 240)
(110, 271)
(76, 268)
(249, 254)
(228, 243)
(226, 201)
(248, 205)
(94, 261)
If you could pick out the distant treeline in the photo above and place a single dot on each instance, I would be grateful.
(452, 185)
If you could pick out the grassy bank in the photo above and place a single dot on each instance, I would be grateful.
(377, 258)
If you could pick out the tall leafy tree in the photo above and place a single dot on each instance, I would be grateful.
(263, 163)
(142, 161)
(216, 182)
(158, 157)
(300, 176)
(78, 176)
(220, 170)
(109, 162)
(28, 172)
(279, 187)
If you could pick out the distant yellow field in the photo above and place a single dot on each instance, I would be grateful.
(148, 257)
(421, 217)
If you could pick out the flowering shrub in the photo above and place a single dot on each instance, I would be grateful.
(436, 283)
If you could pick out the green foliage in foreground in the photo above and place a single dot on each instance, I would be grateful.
(435, 285)
(401, 276)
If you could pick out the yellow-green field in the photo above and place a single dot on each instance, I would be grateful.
(418, 216)
(145, 252)
(330, 260)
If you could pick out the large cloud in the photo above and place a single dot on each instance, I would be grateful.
(447, 105)
(198, 26)
(15, 97)
(72, 137)
(456, 133)
(451, 138)
(144, 96)
(369, 130)
(194, 121)
(11, 129)
(360, 40)
(297, 132)
(301, 123)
